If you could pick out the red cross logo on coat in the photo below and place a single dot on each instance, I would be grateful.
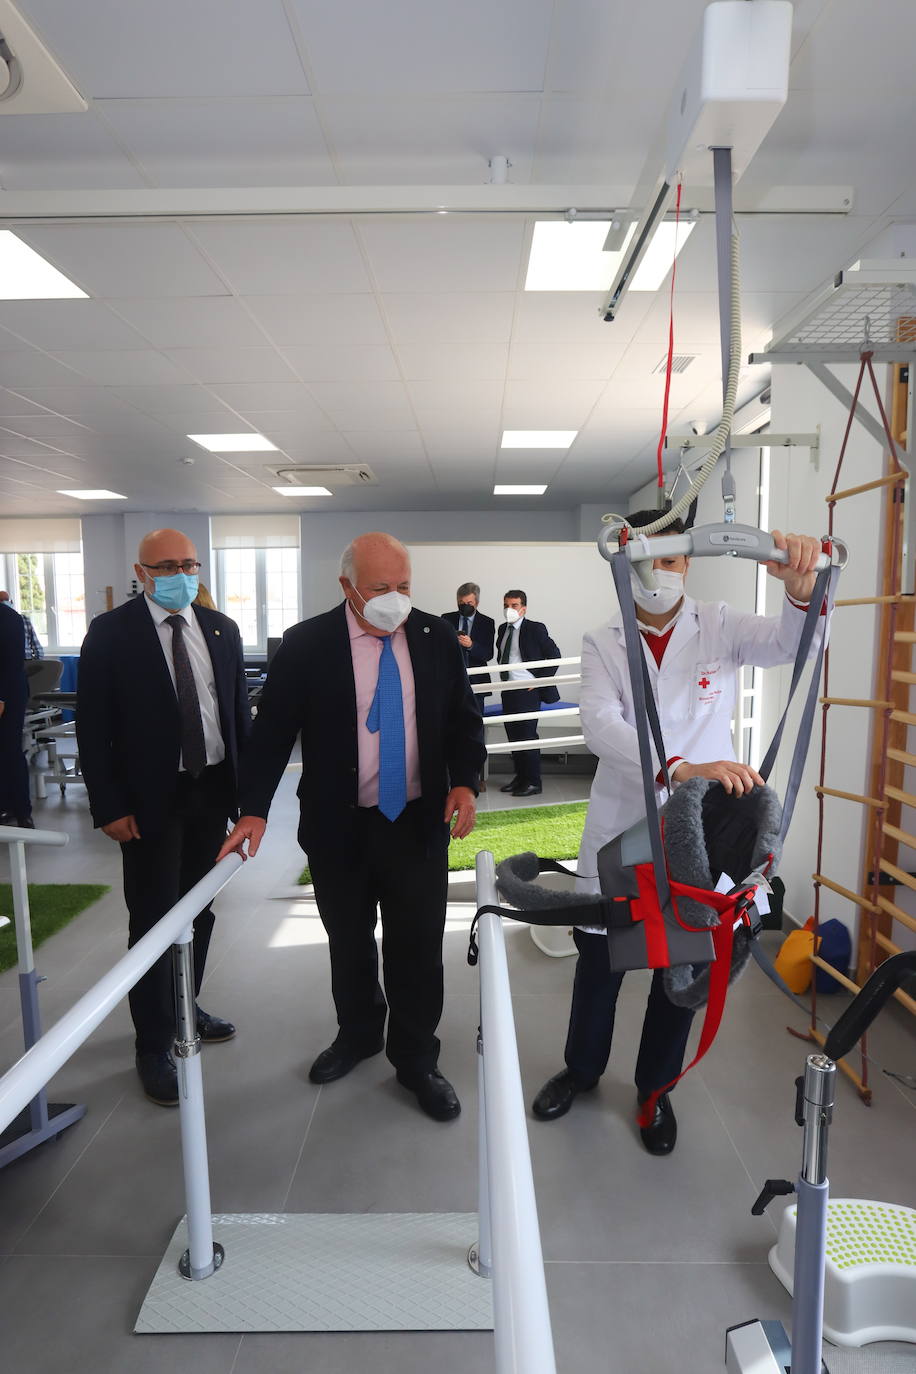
(704, 682)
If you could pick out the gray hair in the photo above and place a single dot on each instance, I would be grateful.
(469, 589)
(348, 563)
(348, 557)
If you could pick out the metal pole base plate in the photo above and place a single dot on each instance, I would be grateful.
(482, 1270)
(757, 1347)
(20, 1136)
(184, 1264)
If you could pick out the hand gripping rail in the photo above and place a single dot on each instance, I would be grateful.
(20, 1085)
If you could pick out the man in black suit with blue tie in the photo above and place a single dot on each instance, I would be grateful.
(517, 641)
(162, 711)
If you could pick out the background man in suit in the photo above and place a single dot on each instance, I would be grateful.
(392, 745)
(475, 630)
(33, 645)
(15, 803)
(517, 640)
(162, 710)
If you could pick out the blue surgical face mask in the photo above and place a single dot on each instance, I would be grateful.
(175, 592)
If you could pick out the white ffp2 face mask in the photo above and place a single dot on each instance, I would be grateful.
(510, 615)
(664, 597)
(386, 612)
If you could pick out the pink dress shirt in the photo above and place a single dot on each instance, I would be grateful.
(366, 651)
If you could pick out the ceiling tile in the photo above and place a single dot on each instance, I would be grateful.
(122, 367)
(114, 49)
(272, 257)
(201, 322)
(404, 447)
(223, 142)
(444, 141)
(303, 423)
(560, 316)
(336, 320)
(446, 446)
(40, 425)
(444, 253)
(68, 324)
(125, 260)
(257, 396)
(315, 447)
(181, 397)
(232, 364)
(320, 363)
(62, 152)
(450, 317)
(528, 361)
(538, 405)
(454, 46)
(364, 405)
(31, 368)
(476, 401)
(474, 362)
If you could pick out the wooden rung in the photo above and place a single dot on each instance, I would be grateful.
(858, 701)
(906, 1001)
(888, 480)
(901, 756)
(853, 797)
(903, 917)
(887, 945)
(835, 973)
(898, 675)
(845, 892)
(903, 717)
(841, 1064)
(895, 794)
(871, 600)
(905, 636)
(900, 875)
(901, 836)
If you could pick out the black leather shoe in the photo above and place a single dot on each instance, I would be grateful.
(435, 1094)
(213, 1029)
(338, 1059)
(529, 789)
(509, 786)
(159, 1077)
(556, 1096)
(660, 1137)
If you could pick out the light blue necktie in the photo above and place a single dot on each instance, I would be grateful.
(386, 716)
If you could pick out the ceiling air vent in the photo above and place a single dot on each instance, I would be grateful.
(329, 475)
(31, 82)
(679, 363)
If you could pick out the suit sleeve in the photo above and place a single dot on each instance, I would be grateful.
(484, 643)
(96, 710)
(464, 750)
(550, 651)
(12, 655)
(273, 734)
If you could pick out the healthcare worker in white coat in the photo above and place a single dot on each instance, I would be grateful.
(693, 650)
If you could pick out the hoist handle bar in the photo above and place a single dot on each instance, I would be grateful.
(864, 1007)
(705, 541)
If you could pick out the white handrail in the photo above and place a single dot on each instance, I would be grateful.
(20, 1084)
(532, 663)
(519, 746)
(522, 684)
(545, 717)
(14, 834)
(522, 1332)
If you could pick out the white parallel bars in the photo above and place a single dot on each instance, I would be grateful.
(522, 1331)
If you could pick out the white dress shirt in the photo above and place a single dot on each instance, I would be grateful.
(201, 667)
(515, 653)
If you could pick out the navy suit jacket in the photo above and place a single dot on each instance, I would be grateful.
(13, 690)
(483, 631)
(127, 723)
(311, 692)
(534, 642)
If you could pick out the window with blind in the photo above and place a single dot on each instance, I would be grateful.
(258, 575)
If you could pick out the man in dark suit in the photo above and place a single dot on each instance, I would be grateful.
(15, 804)
(162, 711)
(475, 630)
(517, 641)
(392, 746)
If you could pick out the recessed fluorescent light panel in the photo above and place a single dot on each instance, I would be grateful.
(660, 254)
(538, 438)
(303, 491)
(524, 490)
(234, 443)
(25, 276)
(101, 495)
(571, 257)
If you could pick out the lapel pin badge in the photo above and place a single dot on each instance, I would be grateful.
(216, 632)
(426, 629)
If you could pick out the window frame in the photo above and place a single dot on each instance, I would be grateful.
(258, 650)
(9, 568)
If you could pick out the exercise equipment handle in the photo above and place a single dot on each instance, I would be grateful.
(707, 541)
(863, 1009)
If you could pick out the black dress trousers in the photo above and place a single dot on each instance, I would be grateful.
(591, 1022)
(158, 869)
(395, 868)
(527, 762)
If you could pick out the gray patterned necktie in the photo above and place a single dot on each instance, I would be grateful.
(193, 748)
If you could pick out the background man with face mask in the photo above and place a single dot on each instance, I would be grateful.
(392, 747)
(475, 630)
(519, 639)
(693, 650)
(162, 711)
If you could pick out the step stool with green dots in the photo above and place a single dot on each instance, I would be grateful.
(870, 1271)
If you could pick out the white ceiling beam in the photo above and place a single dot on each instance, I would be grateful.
(184, 202)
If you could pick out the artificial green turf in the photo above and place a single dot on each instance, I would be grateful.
(51, 906)
(554, 832)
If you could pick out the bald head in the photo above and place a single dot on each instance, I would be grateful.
(5, 596)
(375, 563)
(165, 546)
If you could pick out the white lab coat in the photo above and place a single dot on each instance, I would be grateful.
(695, 693)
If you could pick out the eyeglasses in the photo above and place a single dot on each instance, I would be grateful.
(169, 569)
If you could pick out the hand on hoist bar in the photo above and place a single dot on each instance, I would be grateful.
(798, 573)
